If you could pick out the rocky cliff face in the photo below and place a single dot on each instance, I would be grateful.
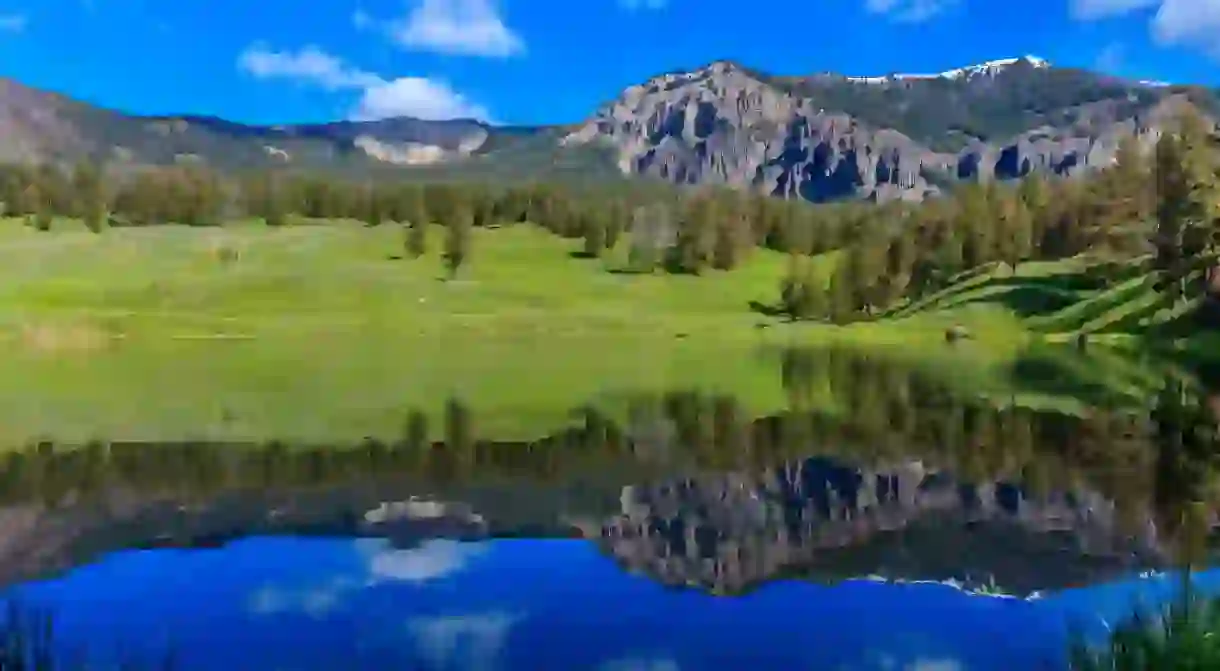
(826, 137)
(721, 125)
(728, 532)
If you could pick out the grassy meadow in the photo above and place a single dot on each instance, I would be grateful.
(326, 331)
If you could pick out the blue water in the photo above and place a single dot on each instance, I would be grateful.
(536, 605)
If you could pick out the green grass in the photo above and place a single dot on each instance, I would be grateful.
(1184, 637)
(167, 282)
(318, 332)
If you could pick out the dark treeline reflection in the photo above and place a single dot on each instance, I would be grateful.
(1152, 463)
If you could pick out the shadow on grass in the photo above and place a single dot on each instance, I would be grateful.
(582, 254)
(1024, 301)
(1071, 283)
(1030, 296)
(767, 310)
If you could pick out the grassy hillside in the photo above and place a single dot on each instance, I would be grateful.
(71, 288)
(1062, 300)
(324, 331)
(172, 283)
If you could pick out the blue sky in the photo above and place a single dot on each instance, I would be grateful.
(547, 61)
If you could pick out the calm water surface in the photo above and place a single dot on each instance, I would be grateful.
(910, 527)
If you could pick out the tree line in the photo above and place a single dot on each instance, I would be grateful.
(666, 229)
(1159, 202)
(1155, 207)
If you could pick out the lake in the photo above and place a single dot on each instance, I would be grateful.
(886, 516)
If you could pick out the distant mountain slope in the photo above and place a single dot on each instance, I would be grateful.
(820, 137)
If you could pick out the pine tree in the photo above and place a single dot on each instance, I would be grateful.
(1034, 192)
(457, 239)
(42, 215)
(1015, 234)
(728, 244)
(274, 205)
(415, 239)
(374, 206)
(792, 287)
(842, 299)
(95, 213)
(89, 197)
(692, 251)
(1186, 209)
(415, 235)
(616, 224)
(594, 234)
(976, 223)
(86, 188)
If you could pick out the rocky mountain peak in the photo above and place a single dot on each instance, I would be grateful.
(828, 136)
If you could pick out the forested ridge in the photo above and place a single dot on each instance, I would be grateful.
(1154, 209)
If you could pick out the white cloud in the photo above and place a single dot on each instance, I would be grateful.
(460, 27)
(1190, 23)
(381, 563)
(13, 23)
(469, 642)
(433, 559)
(380, 98)
(313, 601)
(1089, 10)
(634, 5)
(417, 97)
(908, 11)
(310, 64)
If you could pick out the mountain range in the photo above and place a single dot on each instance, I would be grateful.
(820, 137)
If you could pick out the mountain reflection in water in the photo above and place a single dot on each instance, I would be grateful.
(683, 535)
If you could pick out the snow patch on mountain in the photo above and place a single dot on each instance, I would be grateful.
(988, 68)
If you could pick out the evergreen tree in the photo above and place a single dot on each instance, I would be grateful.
(274, 205)
(86, 188)
(692, 251)
(616, 224)
(728, 244)
(1186, 194)
(976, 224)
(457, 239)
(374, 207)
(792, 287)
(415, 239)
(415, 235)
(1016, 234)
(842, 299)
(90, 197)
(43, 214)
(95, 213)
(594, 234)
